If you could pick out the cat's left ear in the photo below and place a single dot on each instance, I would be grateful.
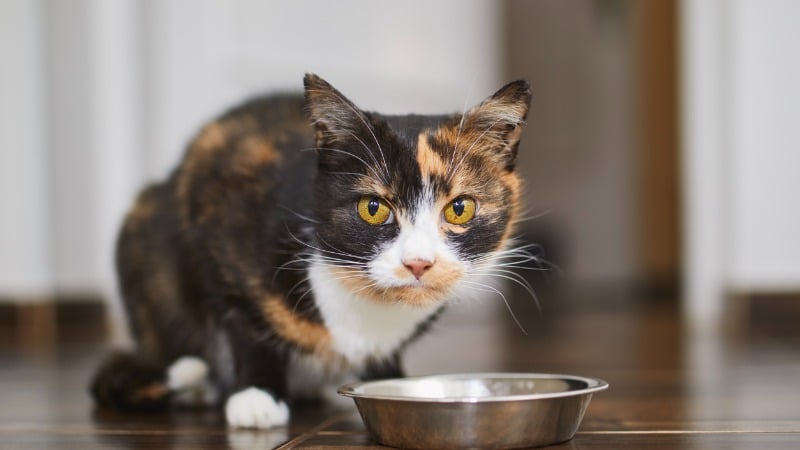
(335, 118)
(498, 121)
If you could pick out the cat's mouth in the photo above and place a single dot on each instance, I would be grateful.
(434, 287)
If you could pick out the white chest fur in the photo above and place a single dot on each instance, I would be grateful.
(360, 328)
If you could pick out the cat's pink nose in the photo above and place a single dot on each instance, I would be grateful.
(417, 266)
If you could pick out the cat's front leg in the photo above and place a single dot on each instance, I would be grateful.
(258, 401)
(383, 369)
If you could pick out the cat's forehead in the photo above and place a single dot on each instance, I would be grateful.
(440, 147)
(431, 158)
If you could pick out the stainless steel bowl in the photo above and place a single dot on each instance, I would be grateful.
(488, 410)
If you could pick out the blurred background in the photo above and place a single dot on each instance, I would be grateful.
(661, 154)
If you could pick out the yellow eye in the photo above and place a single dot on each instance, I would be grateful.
(374, 211)
(460, 210)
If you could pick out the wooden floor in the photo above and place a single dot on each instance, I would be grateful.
(668, 390)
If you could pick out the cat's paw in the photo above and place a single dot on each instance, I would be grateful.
(187, 380)
(254, 408)
(186, 372)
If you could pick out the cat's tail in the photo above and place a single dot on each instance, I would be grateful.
(133, 382)
(130, 382)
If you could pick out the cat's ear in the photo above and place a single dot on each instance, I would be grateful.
(498, 121)
(335, 118)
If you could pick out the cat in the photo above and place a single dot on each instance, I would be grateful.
(302, 242)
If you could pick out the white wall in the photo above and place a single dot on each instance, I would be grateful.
(741, 112)
(25, 272)
(765, 145)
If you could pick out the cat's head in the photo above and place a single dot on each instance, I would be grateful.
(410, 206)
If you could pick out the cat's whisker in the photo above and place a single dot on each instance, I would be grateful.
(516, 278)
(458, 132)
(346, 277)
(475, 294)
(519, 261)
(348, 259)
(321, 250)
(337, 254)
(505, 300)
(518, 267)
(301, 216)
(336, 262)
(340, 264)
(305, 281)
(355, 276)
(370, 153)
(498, 270)
(294, 287)
(308, 260)
(352, 174)
(344, 272)
(545, 266)
(524, 217)
(305, 244)
(372, 132)
(454, 170)
(285, 266)
(513, 249)
(369, 167)
(519, 255)
(300, 300)
(303, 263)
(343, 253)
(505, 252)
(365, 287)
(461, 122)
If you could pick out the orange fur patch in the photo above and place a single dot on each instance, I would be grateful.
(430, 163)
(514, 185)
(255, 152)
(311, 336)
(211, 137)
(152, 391)
(470, 141)
(369, 186)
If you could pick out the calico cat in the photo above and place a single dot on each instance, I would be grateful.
(303, 242)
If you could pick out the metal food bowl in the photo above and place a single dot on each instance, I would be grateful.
(490, 410)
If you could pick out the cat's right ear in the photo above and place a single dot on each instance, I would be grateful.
(334, 117)
(498, 121)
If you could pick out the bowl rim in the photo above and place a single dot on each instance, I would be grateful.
(593, 385)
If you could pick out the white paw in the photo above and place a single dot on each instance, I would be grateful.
(187, 372)
(254, 408)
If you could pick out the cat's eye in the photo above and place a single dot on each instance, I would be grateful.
(374, 211)
(460, 211)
